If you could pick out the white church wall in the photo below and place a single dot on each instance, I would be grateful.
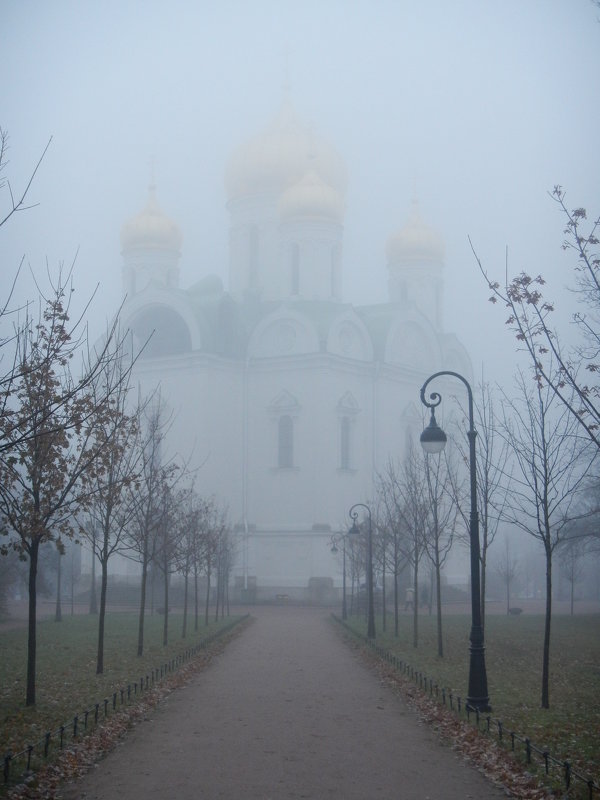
(351, 408)
(204, 396)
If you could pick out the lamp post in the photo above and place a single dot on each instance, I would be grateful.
(334, 549)
(353, 513)
(433, 440)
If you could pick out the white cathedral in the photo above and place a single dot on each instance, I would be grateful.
(290, 398)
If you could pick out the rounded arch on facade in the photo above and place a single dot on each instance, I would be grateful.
(163, 322)
(349, 337)
(456, 358)
(283, 333)
(412, 343)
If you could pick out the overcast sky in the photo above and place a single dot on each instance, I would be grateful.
(482, 107)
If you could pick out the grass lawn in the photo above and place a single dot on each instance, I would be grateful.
(67, 683)
(570, 728)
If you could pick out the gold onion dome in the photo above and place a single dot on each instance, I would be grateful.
(415, 243)
(280, 156)
(311, 198)
(151, 229)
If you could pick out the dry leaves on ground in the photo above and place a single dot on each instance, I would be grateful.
(76, 759)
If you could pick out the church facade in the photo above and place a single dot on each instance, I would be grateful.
(290, 399)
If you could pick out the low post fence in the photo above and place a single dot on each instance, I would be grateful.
(483, 722)
(37, 753)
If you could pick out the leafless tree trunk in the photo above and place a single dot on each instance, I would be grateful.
(391, 504)
(491, 464)
(551, 466)
(507, 569)
(58, 609)
(108, 500)
(93, 595)
(146, 497)
(439, 531)
(572, 553)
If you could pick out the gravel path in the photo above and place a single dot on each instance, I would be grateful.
(286, 711)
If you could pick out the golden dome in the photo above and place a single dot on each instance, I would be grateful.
(311, 198)
(415, 243)
(151, 228)
(280, 156)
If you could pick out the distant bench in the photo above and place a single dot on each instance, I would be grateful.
(282, 598)
(515, 611)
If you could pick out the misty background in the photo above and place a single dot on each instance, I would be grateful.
(478, 108)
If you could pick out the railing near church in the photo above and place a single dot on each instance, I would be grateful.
(19, 766)
(483, 722)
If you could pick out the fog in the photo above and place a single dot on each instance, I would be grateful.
(479, 109)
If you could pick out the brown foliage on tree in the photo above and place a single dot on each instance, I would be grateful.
(570, 370)
(47, 421)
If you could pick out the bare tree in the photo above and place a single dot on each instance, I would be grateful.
(17, 202)
(106, 499)
(416, 514)
(441, 522)
(586, 525)
(491, 465)
(46, 429)
(551, 466)
(224, 560)
(403, 495)
(168, 539)
(73, 562)
(147, 497)
(215, 529)
(9, 579)
(572, 554)
(91, 533)
(507, 568)
(382, 543)
(391, 520)
(569, 370)
(189, 549)
(60, 551)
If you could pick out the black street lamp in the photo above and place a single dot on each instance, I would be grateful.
(353, 531)
(334, 549)
(433, 440)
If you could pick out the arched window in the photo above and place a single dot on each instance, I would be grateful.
(345, 443)
(162, 332)
(295, 268)
(286, 442)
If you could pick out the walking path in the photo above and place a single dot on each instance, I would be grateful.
(287, 710)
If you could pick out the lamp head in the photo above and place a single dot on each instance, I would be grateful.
(354, 530)
(433, 438)
(334, 548)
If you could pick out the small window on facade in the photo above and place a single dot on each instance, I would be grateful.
(295, 269)
(345, 443)
(286, 442)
